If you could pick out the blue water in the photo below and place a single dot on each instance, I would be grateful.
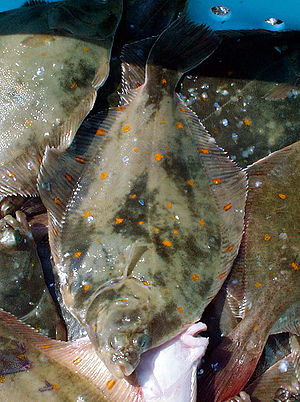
(6, 5)
(247, 14)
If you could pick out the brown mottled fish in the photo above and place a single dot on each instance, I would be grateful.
(152, 221)
(264, 286)
(23, 291)
(53, 57)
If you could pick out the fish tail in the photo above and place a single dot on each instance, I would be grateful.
(230, 366)
(180, 48)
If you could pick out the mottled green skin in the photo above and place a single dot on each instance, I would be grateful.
(125, 274)
(22, 287)
(50, 68)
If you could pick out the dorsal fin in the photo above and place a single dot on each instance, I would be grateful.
(61, 169)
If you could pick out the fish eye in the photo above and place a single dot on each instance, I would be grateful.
(118, 341)
(144, 341)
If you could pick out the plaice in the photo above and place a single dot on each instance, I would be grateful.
(264, 285)
(251, 72)
(54, 56)
(148, 234)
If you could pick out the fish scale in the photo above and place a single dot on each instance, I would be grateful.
(159, 205)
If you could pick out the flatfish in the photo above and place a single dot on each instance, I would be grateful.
(53, 57)
(152, 221)
(264, 286)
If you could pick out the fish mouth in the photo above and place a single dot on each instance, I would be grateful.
(122, 368)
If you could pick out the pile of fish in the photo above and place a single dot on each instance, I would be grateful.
(148, 224)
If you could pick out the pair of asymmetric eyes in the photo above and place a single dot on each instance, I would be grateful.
(140, 340)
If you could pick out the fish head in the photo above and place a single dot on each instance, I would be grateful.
(121, 332)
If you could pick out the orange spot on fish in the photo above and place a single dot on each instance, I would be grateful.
(175, 232)
(166, 290)
(257, 284)
(55, 386)
(190, 182)
(195, 277)
(103, 175)
(119, 220)
(163, 121)
(40, 159)
(68, 177)
(133, 196)
(9, 173)
(43, 53)
(179, 125)
(28, 122)
(87, 214)
(276, 379)
(204, 98)
(155, 230)
(201, 222)
(77, 254)
(100, 131)
(54, 231)
(167, 148)
(204, 151)
(255, 328)
(136, 149)
(2, 379)
(141, 222)
(46, 346)
(86, 287)
(229, 248)
(227, 207)
(169, 205)
(222, 275)
(79, 159)
(76, 361)
(163, 81)
(167, 243)
(259, 173)
(21, 356)
(138, 84)
(183, 109)
(86, 49)
(121, 108)
(99, 310)
(295, 266)
(110, 383)
(57, 201)
(267, 237)
(158, 156)
(217, 180)
(73, 85)
(282, 196)
(146, 283)
(124, 300)
(247, 122)
(95, 328)
(126, 128)
(180, 310)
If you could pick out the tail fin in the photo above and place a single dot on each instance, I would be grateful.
(182, 46)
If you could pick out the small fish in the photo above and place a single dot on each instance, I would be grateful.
(53, 58)
(12, 359)
(266, 273)
(22, 288)
(74, 371)
(150, 211)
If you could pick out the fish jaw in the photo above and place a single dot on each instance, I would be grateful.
(168, 372)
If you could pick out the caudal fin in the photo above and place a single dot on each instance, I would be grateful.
(182, 46)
